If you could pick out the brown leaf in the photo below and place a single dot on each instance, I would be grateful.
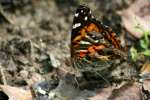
(127, 92)
(137, 13)
(146, 89)
(15, 93)
(145, 71)
(103, 94)
(146, 85)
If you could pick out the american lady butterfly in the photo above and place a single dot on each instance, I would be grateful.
(94, 46)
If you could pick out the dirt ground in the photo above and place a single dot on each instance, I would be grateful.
(35, 36)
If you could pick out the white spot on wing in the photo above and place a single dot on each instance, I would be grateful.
(76, 15)
(77, 51)
(85, 18)
(85, 42)
(81, 11)
(96, 41)
(76, 25)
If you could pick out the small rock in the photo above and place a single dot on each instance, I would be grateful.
(24, 74)
(54, 61)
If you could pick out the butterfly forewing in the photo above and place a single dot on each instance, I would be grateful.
(81, 19)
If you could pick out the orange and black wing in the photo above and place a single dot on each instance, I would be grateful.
(89, 35)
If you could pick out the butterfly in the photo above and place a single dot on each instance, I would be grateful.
(93, 45)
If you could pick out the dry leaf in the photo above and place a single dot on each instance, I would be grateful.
(146, 89)
(15, 93)
(137, 13)
(127, 92)
(146, 85)
(145, 71)
(103, 94)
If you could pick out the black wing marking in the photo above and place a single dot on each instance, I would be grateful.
(81, 18)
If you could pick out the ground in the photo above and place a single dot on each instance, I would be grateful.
(35, 37)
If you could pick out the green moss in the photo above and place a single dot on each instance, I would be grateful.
(144, 45)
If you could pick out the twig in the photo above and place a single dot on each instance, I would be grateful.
(3, 15)
(3, 75)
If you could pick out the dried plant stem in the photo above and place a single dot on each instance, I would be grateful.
(3, 75)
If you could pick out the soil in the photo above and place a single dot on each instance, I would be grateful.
(35, 36)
